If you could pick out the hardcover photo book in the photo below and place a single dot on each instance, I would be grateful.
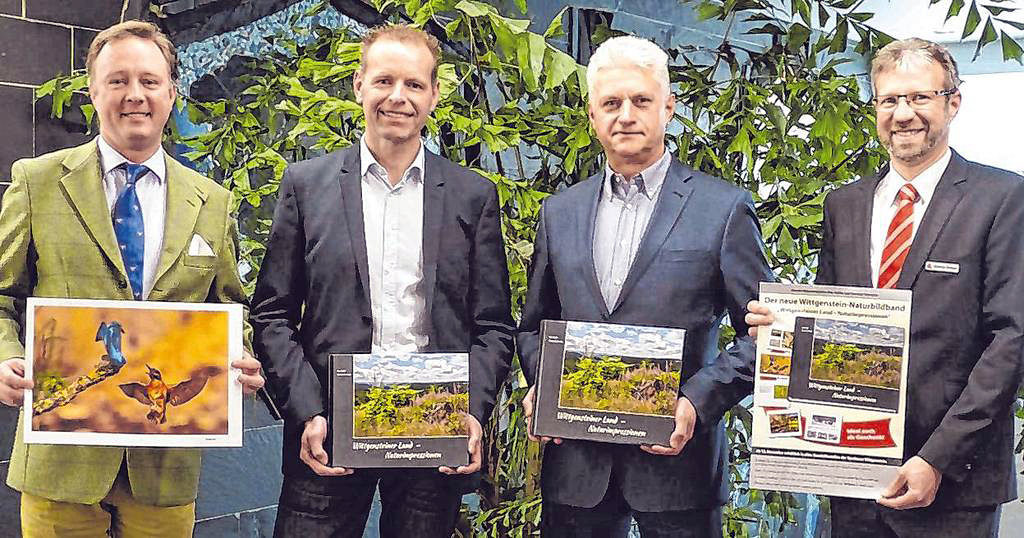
(606, 382)
(402, 410)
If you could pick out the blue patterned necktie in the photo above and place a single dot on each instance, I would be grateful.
(129, 229)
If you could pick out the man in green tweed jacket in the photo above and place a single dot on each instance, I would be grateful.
(57, 239)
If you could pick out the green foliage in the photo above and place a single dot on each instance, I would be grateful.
(590, 375)
(609, 384)
(836, 355)
(400, 411)
(382, 403)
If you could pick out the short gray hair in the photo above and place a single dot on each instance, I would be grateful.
(629, 50)
(896, 52)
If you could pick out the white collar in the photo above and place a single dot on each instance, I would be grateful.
(924, 183)
(366, 160)
(110, 159)
(653, 177)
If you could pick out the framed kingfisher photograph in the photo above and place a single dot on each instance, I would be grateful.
(132, 373)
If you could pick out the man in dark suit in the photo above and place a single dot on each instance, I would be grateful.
(646, 242)
(950, 230)
(381, 247)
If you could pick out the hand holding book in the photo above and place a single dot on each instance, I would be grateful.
(476, 434)
(528, 402)
(312, 451)
(686, 419)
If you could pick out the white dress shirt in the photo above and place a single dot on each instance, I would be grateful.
(885, 205)
(623, 212)
(393, 226)
(152, 192)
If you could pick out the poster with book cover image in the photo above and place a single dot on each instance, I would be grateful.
(606, 382)
(401, 410)
(830, 390)
(132, 373)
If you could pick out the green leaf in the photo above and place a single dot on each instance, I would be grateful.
(803, 7)
(997, 10)
(559, 66)
(798, 35)
(839, 40)
(46, 88)
(973, 19)
(770, 226)
(1011, 49)
(474, 9)
(89, 111)
(555, 28)
(988, 35)
(521, 4)
(954, 8)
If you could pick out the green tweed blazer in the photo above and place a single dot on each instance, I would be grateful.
(57, 240)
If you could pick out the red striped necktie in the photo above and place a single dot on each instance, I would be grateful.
(899, 237)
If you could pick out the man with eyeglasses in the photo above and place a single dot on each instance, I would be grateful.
(952, 231)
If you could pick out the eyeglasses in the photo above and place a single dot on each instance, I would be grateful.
(888, 103)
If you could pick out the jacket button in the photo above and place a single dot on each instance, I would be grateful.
(122, 284)
(967, 466)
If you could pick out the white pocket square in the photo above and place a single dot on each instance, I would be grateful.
(199, 247)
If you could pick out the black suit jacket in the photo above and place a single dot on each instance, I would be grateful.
(312, 296)
(966, 329)
(701, 257)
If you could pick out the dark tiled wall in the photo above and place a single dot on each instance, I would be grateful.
(40, 39)
(37, 38)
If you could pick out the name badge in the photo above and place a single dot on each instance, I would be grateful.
(942, 267)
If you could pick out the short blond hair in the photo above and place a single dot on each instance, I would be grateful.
(402, 33)
(140, 29)
(896, 52)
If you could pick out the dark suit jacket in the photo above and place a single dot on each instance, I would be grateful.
(966, 329)
(312, 296)
(701, 257)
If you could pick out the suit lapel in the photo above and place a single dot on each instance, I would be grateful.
(947, 195)
(352, 210)
(862, 213)
(83, 185)
(184, 201)
(433, 216)
(675, 191)
(585, 240)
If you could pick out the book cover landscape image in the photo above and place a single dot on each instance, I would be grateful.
(847, 363)
(410, 395)
(607, 382)
(620, 369)
(134, 376)
(857, 353)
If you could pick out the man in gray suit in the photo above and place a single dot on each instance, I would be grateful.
(952, 231)
(646, 242)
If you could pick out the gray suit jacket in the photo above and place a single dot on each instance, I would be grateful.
(700, 258)
(966, 329)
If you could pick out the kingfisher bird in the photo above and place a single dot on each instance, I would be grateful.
(110, 333)
(158, 395)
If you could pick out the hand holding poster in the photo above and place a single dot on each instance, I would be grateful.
(830, 390)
